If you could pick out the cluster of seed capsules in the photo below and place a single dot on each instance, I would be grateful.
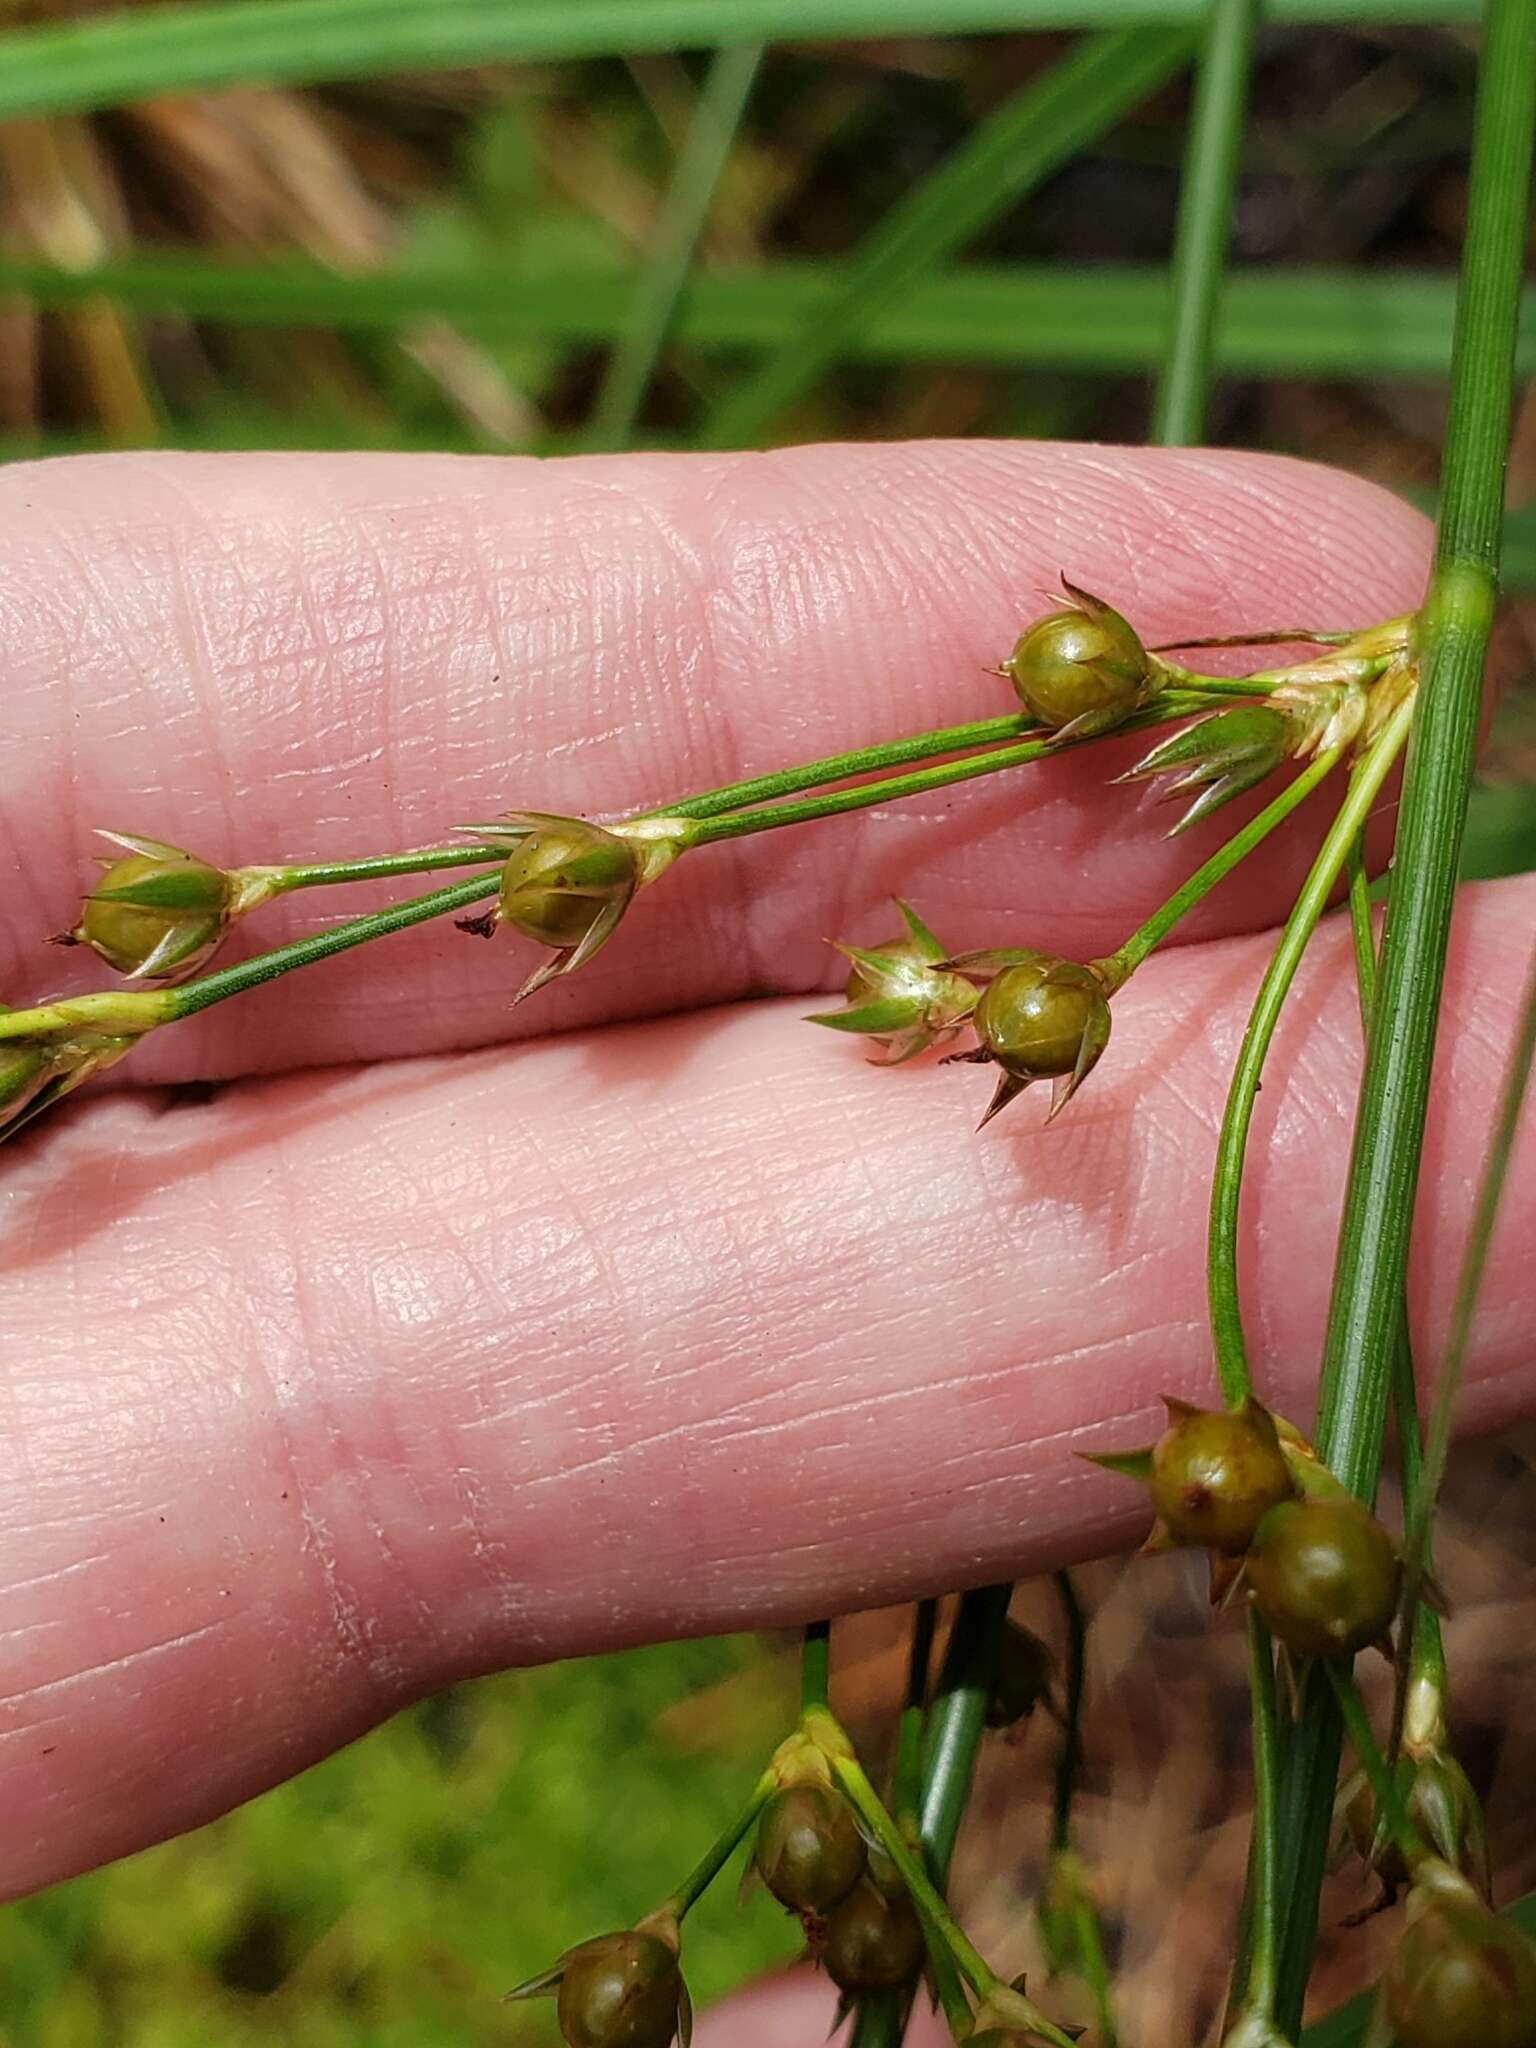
(811, 1851)
(626, 1990)
(159, 913)
(1326, 1577)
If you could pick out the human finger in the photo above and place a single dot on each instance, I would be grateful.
(339, 1387)
(318, 657)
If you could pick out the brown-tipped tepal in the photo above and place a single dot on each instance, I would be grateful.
(1324, 1576)
(1041, 1018)
(1439, 1799)
(1216, 759)
(158, 913)
(1024, 1677)
(898, 997)
(1082, 670)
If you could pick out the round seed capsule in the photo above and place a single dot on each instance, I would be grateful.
(1461, 1977)
(872, 1941)
(809, 1849)
(156, 916)
(620, 1991)
(1324, 1575)
(1216, 1473)
(1043, 1017)
(1083, 667)
(561, 880)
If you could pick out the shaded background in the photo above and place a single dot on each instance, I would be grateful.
(441, 261)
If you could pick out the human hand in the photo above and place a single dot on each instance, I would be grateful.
(352, 1381)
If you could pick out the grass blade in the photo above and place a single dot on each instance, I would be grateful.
(1384, 1168)
(1032, 134)
(1313, 323)
(722, 102)
(1205, 215)
(134, 52)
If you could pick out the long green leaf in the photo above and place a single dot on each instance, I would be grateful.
(1205, 214)
(102, 60)
(1033, 133)
(1384, 1169)
(1315, 323)
(653, 308)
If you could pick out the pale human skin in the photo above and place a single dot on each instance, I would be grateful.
(358, 1379)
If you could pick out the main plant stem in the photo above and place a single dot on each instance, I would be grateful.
(1383, 1176)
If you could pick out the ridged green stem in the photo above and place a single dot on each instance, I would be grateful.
(1421, 1646)
(719, 1852)
(929, 1901)
(815, 1665)
(1384, 1169)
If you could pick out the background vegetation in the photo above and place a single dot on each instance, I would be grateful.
(972, 231)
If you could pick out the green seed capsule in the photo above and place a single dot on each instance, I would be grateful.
(1042, 1018)
(620, 1991)
(809, 1848)
(565, 880)
(156, 916)
(1216, 1473)
(1461, 1977)
(872, 1941)
(1081, 670)
(1324, 1575)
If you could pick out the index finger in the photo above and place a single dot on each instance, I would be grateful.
(320, 657)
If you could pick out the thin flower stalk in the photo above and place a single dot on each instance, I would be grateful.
(1226, 1311)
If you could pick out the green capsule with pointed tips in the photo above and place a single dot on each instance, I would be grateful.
(1042, 1018)
(567, 880)
(156, 915)
(1216, 1473)
(620, 1991)
(1081, 670)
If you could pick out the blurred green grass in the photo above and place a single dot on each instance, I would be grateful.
(389, 1896)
